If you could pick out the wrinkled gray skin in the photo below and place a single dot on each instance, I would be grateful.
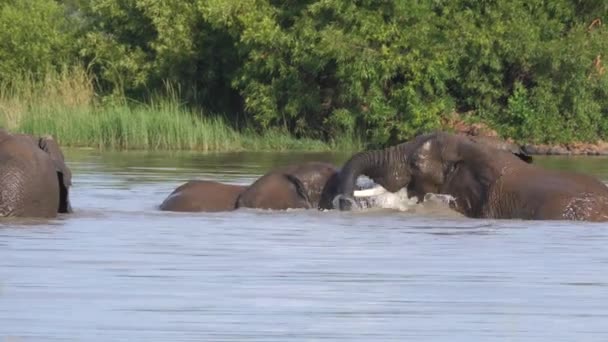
(390, 167)
(202, 195)
(387, 167)
(308, 185)
(34, 180)
(488, 184)
(491, 183)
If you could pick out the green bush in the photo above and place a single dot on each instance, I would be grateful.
(380, 70)
(337, 66)
(35, 36)
(527, 66)
(136, 47)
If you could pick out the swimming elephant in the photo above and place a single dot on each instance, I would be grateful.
(34, 179)
(486, 182)
(389, 167)
(307, 185)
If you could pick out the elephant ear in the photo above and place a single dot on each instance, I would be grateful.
(50, 146)
(300, 188)
(64, 174)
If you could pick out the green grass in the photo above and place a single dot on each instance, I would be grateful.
(65, 105)
(163, 126)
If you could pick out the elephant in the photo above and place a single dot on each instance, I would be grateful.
(389, 167)
(34, 179)
(486, 180)
(307, 185)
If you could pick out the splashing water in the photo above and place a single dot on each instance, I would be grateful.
(398, 201)
(432, 203)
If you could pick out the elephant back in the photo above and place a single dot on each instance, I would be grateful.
(503, 145)
(28, 181)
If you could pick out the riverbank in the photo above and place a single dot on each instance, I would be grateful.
(458, 125)
(596, 149)
(167, 126)
(162, 126)
(66, 106)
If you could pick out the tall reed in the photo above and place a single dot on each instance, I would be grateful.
(65, 105)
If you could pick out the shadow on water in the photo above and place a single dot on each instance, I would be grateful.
(120, 270)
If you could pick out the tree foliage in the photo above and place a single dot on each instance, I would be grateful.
(384, 69)
(34, 37)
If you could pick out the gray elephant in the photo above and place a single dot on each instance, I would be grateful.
(34, 179)
(390, 167)
(307, 185)
(488, 184)
(487, 180)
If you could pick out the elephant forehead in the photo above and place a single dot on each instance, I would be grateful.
(423, 158)
(426, 147)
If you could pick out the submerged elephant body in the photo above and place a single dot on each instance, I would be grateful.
(546, 195)
(492, 184)
(488, 179)
(34, 180)
(201, 195)
(307, 185)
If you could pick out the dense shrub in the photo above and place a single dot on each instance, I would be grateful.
(381, 69)
(35, 37)
(137, 47)
(528, 67)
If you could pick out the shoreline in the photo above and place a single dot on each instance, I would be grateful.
(456, 124)
(570, 149)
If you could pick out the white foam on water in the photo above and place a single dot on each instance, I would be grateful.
(388, 200)
(372, 196)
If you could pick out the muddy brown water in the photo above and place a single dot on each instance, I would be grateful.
(119, 270)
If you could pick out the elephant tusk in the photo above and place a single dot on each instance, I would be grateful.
(375, 191)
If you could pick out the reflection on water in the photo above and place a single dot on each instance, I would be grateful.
(119, 270)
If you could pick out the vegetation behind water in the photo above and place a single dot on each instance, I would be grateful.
(223, 74)
(64, 104)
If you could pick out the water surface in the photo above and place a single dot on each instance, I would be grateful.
(119, 270)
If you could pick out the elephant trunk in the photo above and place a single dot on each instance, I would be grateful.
(385, 167)
(357, 165)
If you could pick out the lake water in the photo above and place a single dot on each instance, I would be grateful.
(119, 270)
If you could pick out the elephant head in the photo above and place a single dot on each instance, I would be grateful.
(307, 185)
(449, 164)
(275, 190)
(392, 167)
(487, 182)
